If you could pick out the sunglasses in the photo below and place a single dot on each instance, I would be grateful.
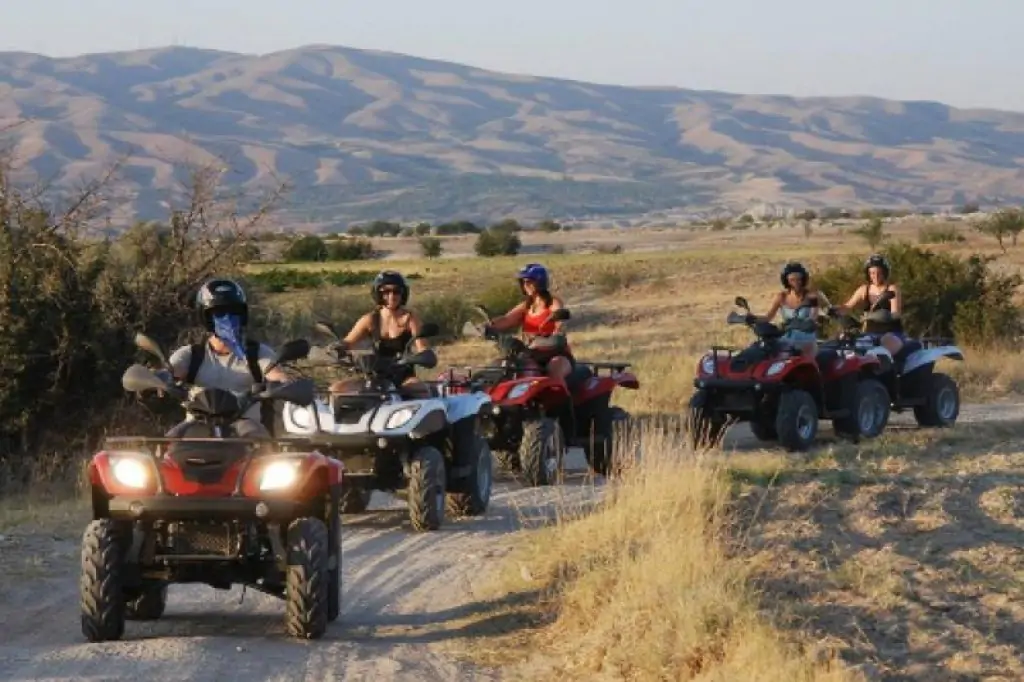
(384, 291)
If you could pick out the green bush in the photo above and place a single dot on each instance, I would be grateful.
(431, 247)
(353, 248)
(939, 234)
(497, 242)
(306, 249)
(943, 294)
(500, 297)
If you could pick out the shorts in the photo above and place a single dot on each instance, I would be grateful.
(796, 335)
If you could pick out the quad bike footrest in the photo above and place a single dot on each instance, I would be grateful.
(173, 508)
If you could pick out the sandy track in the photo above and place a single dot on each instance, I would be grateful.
(404, 596)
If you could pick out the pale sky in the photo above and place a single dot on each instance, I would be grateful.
(960, 52)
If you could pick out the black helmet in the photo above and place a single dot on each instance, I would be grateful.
(791, 267)
(389, 277)
(218, 296)
(877, 260)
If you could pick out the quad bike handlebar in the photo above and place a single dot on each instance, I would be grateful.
(217, 406)
(380, 370)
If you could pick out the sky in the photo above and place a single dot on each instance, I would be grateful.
(966, 53)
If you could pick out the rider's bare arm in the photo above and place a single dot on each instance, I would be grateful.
(179, 362)
(855, 300)
(774, 309)
(415, 326)
(896, 304)
(360, 329)
(265, 357)
(511, 319)
(556, 304)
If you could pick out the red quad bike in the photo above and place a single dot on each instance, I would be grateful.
(211, 508)
(783, 393)
(532, 413)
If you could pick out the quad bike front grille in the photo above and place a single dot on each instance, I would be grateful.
(349, 409)
(202, 539)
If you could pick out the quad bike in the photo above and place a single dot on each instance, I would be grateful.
(910, 377)
(784, 393)
(532, 413)
(211, 508)
(431, 451)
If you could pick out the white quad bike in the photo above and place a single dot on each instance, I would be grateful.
(430, 451)
(910, 377)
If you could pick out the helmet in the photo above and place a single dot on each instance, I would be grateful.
(877, 260)
(386, 277)
(219, 296)
(791, 267)
(535, 271)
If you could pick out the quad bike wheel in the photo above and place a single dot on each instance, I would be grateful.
(426, 492)
(764, 429)
(333, 550)
(307, 583)
(473, 501)
(101, 600)
(943, 402)
(541, 451)
(149, 604)
(796, 420)
(600, 447)
(869, 412)
(355, 499)
(706, 428)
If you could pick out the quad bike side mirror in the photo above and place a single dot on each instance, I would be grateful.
(426, 359)
(300, 392)
(147, 344)
(742, 303)
(560, 315)
(138, 378)
(293, 350)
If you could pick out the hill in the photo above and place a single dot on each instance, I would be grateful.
(365, 135)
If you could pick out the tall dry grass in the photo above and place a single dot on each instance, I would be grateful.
(644, 587)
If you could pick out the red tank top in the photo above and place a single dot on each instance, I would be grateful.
(534, 325)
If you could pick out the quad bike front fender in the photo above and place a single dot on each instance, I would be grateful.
(930, 356)
(466, 405)
(548, 392)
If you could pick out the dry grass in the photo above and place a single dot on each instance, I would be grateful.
(643, 587)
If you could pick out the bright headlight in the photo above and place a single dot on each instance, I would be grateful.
(279, 475)
(775, 368)
(518, 390)
(131, 472)
(707, 364)
(400, 417)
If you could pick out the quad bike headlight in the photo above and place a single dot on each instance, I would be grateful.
(280, 474)
(707, 364)
(400, 417)
(302, 417)
(130, 472)
(775, 368)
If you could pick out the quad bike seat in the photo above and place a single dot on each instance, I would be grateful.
(577, 377)
(825, 358)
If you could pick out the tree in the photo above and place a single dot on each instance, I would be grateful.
(497, 242)
(1008, 222)
(430, 247)
(873, 233)
(307, 249)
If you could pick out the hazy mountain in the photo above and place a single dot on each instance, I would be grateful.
(364, 134)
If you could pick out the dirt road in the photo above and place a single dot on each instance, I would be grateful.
(403, 594)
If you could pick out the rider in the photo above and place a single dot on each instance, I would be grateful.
(391, 325)
(532, 313)
(799, 306)
(225, 359)
(885, 316)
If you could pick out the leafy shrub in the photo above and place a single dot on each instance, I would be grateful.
(497, 242)
(943, 294)
(353, 248)
(500, 297)
(431, 247)
(307, 249)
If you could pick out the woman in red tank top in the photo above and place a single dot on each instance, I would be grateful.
(532, 316)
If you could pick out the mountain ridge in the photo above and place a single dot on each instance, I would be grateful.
(366, 134)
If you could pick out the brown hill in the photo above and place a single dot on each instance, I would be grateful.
(364, 134)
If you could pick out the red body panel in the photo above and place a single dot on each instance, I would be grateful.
(316, 472)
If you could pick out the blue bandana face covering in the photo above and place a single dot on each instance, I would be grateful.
(228, 328)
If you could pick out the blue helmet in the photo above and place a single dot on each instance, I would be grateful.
(535, 271)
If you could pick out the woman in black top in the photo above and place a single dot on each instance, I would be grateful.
(391, 325)
(887, 323)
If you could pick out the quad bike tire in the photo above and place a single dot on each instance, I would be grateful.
(307, 582)
(100, 592)
(425, 494)
(149, 604)
(796, 420)
(600, 447)
(334, 549)
(935, 413)
(355, 499)
(870, 396)
(706, 429)
(764, 430)
(476, 497)
(539, 437)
